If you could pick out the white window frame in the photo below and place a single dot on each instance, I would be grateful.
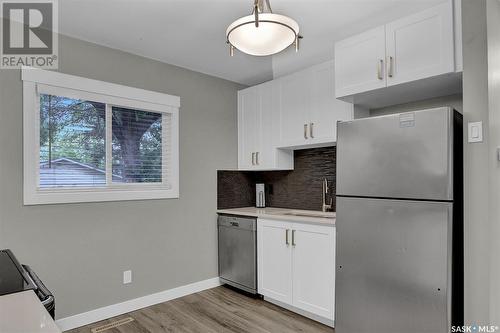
(37, 81)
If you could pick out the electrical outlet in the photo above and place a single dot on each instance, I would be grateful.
(127, 277)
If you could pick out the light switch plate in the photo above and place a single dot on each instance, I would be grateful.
(127, 277)
(475, 131)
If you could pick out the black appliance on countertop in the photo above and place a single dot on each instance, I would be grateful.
(15, 277)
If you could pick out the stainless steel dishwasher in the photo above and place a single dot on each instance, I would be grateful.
(238, 252)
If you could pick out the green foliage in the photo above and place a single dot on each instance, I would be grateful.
(72, 129)
(76, 129)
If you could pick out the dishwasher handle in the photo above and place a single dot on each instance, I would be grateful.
(231, 221)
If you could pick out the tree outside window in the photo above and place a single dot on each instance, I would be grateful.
(73, 147)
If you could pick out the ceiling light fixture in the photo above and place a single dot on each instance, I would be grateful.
(262, 33)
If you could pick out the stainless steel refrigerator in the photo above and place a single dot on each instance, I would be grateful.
(399, 264)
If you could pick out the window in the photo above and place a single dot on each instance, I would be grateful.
(87, 140)
(137, 146)
(72, 142)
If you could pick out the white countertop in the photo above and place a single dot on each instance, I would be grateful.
(295, 215)
(24, 313)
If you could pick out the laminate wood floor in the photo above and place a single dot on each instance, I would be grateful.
(215, 310)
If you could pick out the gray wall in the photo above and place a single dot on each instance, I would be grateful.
(80, 250)
(454, 101)
(493, 15)
(476, 163)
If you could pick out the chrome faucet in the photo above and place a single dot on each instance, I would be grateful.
(326, 207)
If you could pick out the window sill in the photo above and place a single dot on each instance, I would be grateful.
(59, 196)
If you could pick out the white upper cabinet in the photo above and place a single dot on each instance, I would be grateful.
(308, 110)
(425, 45)
(267, 153)
(293, 112)
(421, 45)
(457, 26)
(359, 63)
(325, 110)
(248, 127)
(256, 130)
(294, 102)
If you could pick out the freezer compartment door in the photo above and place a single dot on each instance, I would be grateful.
(406, 155)
(393, 269)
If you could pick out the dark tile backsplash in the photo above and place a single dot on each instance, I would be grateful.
(235, 189)
(297, 189)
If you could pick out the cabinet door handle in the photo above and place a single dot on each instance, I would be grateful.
(390, 72)
(305, 131)
(286, 237)
(380, 65)
(257, 158)
(253, 158)
(293, 238)
(311, 130)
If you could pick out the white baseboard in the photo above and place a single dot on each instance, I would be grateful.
(106, 312)
(323, 320)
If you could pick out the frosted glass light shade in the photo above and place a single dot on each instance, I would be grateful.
(274, 34)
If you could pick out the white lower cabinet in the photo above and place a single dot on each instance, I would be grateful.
(296, 266)
(274, 263)
(313, 270)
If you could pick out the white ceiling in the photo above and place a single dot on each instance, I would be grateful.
(191, 33)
